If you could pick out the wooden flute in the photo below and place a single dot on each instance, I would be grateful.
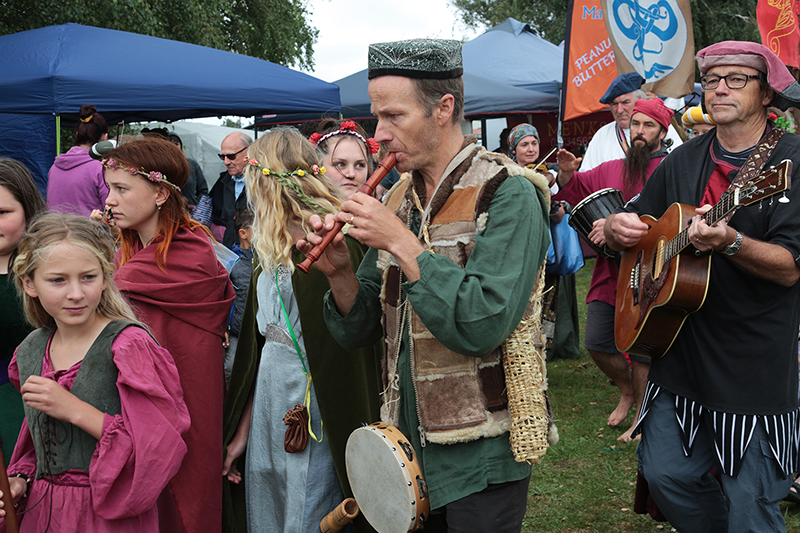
(384, 167)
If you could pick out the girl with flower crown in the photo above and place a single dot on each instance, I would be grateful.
(347, 153)
(294, 428)
(167, 268)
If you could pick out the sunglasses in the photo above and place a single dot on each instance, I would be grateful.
(223, 157)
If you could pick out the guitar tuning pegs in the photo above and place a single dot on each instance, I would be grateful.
(783, 199)
(770, 201)
(759, 205)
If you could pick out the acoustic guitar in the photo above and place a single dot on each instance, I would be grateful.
(663, 279)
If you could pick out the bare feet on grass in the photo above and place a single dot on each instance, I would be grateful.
(621, 412)
(626, 437)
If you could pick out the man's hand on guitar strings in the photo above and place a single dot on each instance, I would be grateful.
(704, 237)
(623, 230)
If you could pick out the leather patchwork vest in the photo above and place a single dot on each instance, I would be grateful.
(459, 398)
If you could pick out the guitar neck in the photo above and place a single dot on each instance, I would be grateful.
(775, 180)
(727, 204)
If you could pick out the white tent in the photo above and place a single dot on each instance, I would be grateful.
(201, 142)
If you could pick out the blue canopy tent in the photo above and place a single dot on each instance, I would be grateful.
(512, 54)
(482, 97)
(50, 72)
(508, 69)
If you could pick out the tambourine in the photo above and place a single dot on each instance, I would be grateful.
(386, 479)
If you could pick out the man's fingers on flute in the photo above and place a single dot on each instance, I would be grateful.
(330, 221)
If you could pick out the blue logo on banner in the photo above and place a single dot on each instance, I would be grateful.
(650, 34)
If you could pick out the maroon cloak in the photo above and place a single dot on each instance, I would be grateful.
(187, 310)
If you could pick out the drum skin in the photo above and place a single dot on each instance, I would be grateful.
(387, 485)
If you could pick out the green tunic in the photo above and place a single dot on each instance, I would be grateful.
(471, 311)
(13, 330)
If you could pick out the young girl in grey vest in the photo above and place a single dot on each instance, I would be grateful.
(104, 409)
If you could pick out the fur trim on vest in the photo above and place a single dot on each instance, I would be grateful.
(459, 398)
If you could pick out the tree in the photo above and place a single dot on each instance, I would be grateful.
(547, 18)
(724, 20)
(274, 30)
(713, 20)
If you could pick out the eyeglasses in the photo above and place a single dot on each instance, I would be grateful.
(223, 157)
(733, 81)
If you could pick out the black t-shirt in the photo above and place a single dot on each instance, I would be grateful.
(738, 353)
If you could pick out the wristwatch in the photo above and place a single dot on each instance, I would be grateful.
(732, 249)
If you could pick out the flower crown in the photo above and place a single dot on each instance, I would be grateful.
(154, 176)
(283, 179)
(347, 127)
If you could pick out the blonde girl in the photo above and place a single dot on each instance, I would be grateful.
(283, 344)
(104, 410)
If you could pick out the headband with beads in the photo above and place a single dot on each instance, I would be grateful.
(154, 176)
(348, 127)
(283, 179)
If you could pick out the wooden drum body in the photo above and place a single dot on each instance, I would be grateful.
(594, 207)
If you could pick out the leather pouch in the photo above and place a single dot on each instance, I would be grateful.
(296, 438)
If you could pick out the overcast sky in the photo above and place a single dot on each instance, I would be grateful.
(347, 27)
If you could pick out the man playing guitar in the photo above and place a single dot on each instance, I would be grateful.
(725, 393)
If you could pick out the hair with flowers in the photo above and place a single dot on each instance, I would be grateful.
(140, 158)
(154, 175)
(284, 178)
(782, 121)
(285, 187)
(346, 127)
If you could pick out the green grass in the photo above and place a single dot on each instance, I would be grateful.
(586, 483)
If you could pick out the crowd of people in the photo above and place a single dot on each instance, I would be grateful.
(149, 383)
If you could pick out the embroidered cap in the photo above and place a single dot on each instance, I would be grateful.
(627, 83)
(416, 58)
(654, 109)
(759, 57)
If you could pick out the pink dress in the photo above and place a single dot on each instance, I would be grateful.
(137, 454)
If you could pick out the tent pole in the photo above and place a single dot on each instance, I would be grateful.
(560, 130)
(58, 135)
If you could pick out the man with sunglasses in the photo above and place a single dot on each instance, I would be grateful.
(228, 193)
(724, 395)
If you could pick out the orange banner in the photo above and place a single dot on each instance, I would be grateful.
(589, 64)
(777, 23)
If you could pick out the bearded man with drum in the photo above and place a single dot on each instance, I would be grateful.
(613, 140)
(725, 393)
(454, 256)
(649, 123)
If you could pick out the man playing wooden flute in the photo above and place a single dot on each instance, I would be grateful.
(453, 262)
